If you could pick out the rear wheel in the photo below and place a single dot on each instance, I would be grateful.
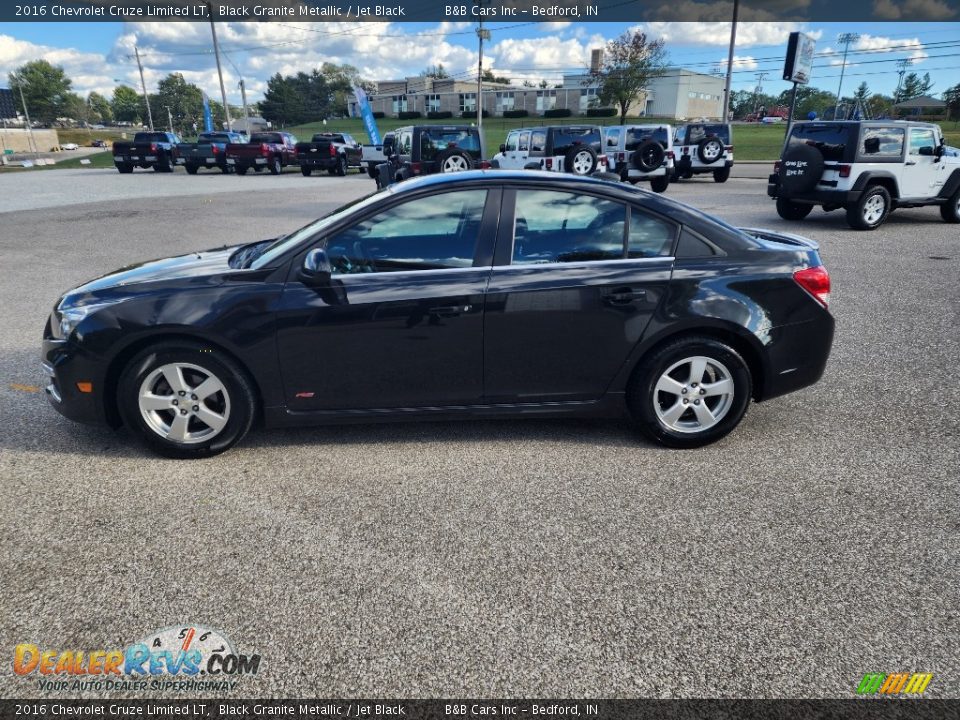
(690, 392)
(721, 175)
(241, 170)
(341, 166)
(305, 171)
(660, 184)
(185, 400)
(950, 210)
(125, 168)
(792, 211)
(192, 169)
(276, 167)
(869, 212)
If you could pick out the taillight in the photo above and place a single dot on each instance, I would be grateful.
(549, 163)
(153, 147)
(670, 155)
(415, 168)
(816, 281)
(333, 150)
(484, 165)
(214, 149)
(686, 150)
(729, 148)
(602, 160)
(264, 150)
(844, 170)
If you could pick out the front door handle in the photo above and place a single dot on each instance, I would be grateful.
(910, 162)
(449, 310)
(624, 296)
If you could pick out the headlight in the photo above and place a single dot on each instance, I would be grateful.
(70, 317)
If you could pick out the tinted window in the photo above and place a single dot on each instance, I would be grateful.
(435, 140)
(524, 141)
(551, 227)
(636, 136)
(921, 137)
(691, 245)
(835, 142)
(266, 138)
(649, 236)
(881, 142)
(566, 138)
(404, 143)
(428, 233)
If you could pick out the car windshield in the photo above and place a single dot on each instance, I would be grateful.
(635, 136)
(834, 141)
(269, 253)
(149, 137)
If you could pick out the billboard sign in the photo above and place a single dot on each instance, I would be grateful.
(8, 108)
(799, 64)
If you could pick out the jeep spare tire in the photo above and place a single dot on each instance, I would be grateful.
(648, 156)
(580, 160)
(453, 161)
(710, 149)
(800, 169)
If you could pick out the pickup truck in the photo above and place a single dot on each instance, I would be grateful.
(333, 152)
(373, 155)
(273, 150)
(148, 149)
(208, 151)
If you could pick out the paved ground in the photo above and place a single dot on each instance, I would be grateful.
(566, 558)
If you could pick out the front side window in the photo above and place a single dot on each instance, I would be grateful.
(512, 141)
(556, 227)
(922, 137)
(524, 141)
(430, 233)
(881, 142)
(404, 143)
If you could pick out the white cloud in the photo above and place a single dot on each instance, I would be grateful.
(913, 10)
(749, 34)
(745, 62)
(880, 44)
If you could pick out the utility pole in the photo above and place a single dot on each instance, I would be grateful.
(481, 36)
(733, 42)
(169, 117)
(143, 84)
(26, 113)
(758, 90)
(242, 85)
(845, 39)
(216, 52)
(901, 69)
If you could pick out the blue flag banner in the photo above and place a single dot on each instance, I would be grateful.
(207, 115)
(367, 115)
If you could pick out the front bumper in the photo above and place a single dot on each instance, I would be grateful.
(63, 366)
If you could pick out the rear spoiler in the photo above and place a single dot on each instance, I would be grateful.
(781, 237)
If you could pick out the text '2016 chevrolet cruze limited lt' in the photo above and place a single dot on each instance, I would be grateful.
(477, 294)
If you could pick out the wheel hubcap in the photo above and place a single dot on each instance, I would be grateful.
(712, 150)
(455, 164)
(873, 209)
(581, 163)
(693, 395)
(184, 403)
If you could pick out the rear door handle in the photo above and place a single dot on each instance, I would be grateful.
(623, 296)
(449, 310)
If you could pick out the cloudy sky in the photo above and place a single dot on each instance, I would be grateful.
(99, 55)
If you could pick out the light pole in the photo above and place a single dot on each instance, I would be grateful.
(845, 39)
(143, 83)
(26, 113)
(481, 36)
(169, 117)
(216, 52)
(733, 43)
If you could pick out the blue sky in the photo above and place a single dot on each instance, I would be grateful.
(96, 55)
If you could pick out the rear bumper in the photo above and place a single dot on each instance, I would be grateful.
(814, 197)
(63, 366)
(797, 355)
(684, 164)
(327, 163)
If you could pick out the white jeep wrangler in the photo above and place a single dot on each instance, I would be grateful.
(704, 147)
(868, 168)
(574, 149)
(641, 152)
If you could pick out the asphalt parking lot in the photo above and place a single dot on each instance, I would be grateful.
(816, 543)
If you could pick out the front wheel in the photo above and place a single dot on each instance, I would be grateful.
(950, 210)
(660, 184)
(192, 169)
(792, 211)
(341, 166)
(186, 400)
(241, 170)
(869, 212)
(305, 171)
(691, 392)
(124, 168)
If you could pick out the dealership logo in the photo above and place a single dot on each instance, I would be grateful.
(176, 658)
(894, 683)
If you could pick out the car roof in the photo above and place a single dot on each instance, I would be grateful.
(869, 123)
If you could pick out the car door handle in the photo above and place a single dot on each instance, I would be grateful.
(449, 310)
(910, 162)
(623, 296)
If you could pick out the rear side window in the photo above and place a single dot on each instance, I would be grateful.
(556, 227)
(538, 140)
(613, 137)
(566, 138)
(691, 245)
(636, 136)
(881, 142)
(649, 235)
(835, 142)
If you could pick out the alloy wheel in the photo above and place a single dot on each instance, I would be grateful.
(873, 209)
(693, 395)
(184, 403)
(455, 163)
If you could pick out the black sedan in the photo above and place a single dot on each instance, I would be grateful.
(478, 294)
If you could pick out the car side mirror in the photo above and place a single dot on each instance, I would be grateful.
(927, 151)
(503, 147)
(316, 268)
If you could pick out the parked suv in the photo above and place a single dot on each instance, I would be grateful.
(427, 149)
(641, 152)
(704, 147)
(574, 149)
(868, 168)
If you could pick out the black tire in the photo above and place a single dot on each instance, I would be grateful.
(191, 169)
(258, 168)
(237, 401)
(450, 161)
(341, 166)
(687, 175)
(225, 169)
(305, 171)
(649, 156)
(644, 399)
(869, 212)
(660, 184)
(125, 168)
(577, 156)
(710, 149)
(372, 171)
(721, 175)
(792, 211)
(240, 170)
(276, 166)
(950, 210)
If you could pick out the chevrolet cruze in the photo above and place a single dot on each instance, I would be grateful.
(478, 294)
